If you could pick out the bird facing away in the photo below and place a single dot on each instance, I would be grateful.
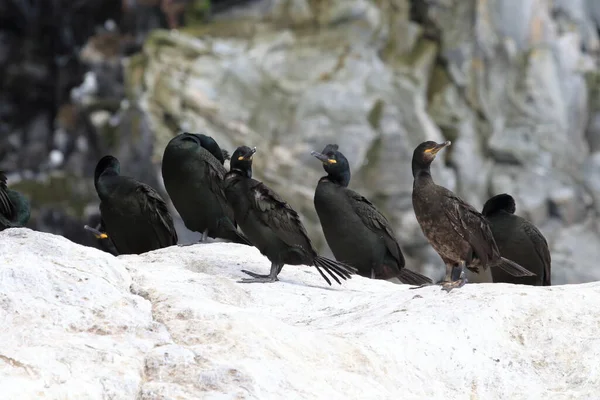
(454, 228)
(134, 216)
(357, 233)
(193, 171)
(14, 207)
(271, 224)
(518, 240)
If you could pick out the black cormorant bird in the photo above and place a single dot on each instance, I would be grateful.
(135, 217)
(454, 228)
(271, 224)
(518, 240)
(14, 207)
(357, 233)
(193, 171)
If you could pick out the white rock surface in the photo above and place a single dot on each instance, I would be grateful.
(72, 329)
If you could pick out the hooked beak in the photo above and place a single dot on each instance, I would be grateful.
(96, 232)
(248, 156)
(438, 147)
(323, 158)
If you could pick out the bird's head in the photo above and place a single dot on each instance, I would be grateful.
(425, 153)
(241, 160)
(206, 142)
(334, 163)
(107, 164)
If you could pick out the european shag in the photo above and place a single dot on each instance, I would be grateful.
(271, 224)
(518, 240)
(356, 232)
(454, 228)
(193, 171)
(135, 217)
(14, 207)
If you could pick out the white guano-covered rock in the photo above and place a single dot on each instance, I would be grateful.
(175, 324)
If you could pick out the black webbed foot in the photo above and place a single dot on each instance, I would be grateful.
(271, 277)
(421, 286)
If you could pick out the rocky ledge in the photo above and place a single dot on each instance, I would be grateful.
(174, 323)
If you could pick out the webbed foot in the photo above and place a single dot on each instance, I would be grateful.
(448, 286)
(421, 286)
(266, 279)
(271, 277)
(255, 275)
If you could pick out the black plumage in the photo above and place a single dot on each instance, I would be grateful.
(518, 240)
(193, 171)
(454, 228)
(14, 207)
(271, 224)
(356, 232)
(134, 216)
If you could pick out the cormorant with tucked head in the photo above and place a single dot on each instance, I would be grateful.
(518, 240)
(134, 216)
(193, 171)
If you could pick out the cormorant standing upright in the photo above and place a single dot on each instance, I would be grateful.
(357, 233)
(134, 215)
(518, 240)
(14, 207)
(271, 224)
(454, 228)
(193, 171)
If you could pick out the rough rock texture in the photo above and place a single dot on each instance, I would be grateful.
(174, 323)
(512, 83)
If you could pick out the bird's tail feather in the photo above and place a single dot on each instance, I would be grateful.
(412, 278)
(512, 268)
(334, 268)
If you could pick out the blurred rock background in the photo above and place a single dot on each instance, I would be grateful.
(513, 83)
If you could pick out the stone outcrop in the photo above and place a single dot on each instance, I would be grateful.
(175, 324)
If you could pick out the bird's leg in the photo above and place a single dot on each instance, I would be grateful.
(372, 273)
(460, 282)
(271, 277)
(447, 278)
(202, 239)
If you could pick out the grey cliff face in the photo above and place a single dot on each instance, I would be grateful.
(513, 83)
(507, 82)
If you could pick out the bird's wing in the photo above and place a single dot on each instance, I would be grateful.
(376, 222)
(213, 175)
(541, 248)
(6, 207)
(275, 213)
(471, 226)
(154, 206)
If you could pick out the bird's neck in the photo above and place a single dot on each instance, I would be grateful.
(246, 173)
(104, 181)
(339, 179)
(421, 173)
